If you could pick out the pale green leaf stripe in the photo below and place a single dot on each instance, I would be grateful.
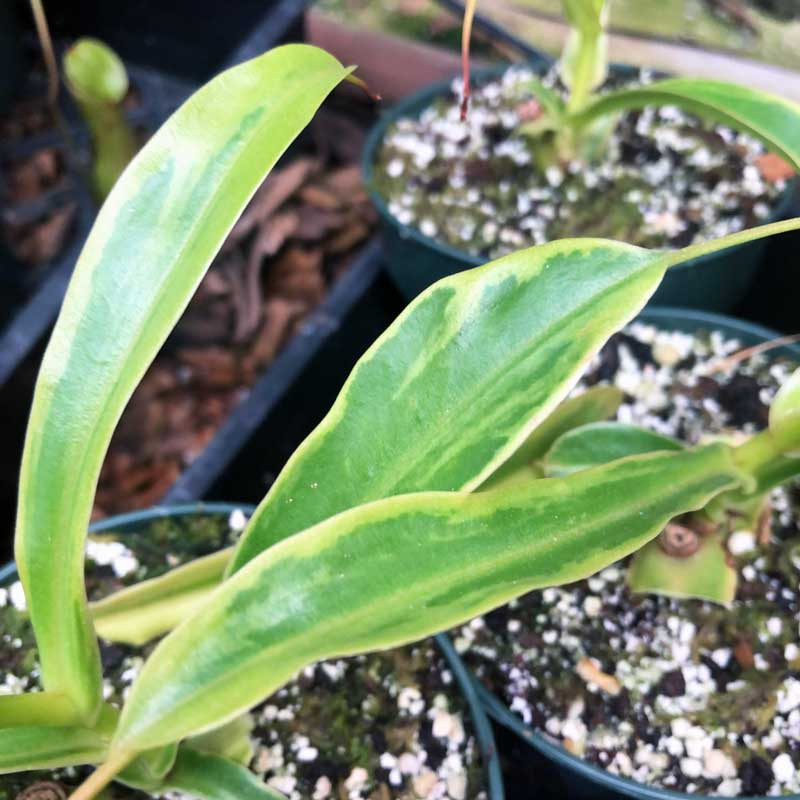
(149, 248)
(45, 747)
(458, 382)
(399, 569)
(772, 119)
(784, 415)
(211, 777)
(600, 443)
(148, 609)
(35, 708)
(49, 746)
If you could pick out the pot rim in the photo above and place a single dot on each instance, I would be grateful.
(484, 735)
(499, 711)
(414, 104)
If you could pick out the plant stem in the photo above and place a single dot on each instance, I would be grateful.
(757, 452)
(102, 776)
(49, 55)
(46, 42)
(585, 68)
(673, 258)
(466, 36)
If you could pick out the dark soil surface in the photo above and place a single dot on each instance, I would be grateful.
(666, 180)
(382, 726)
(683, 694)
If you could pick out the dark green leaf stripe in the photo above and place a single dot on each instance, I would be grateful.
(399, 569)
(772, 119)
(594, 405)
(459, 381)
(601, 442)
(149, 248)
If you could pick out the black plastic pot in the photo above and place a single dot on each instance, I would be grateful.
(582, 780)
(715, 282)
(136, 521)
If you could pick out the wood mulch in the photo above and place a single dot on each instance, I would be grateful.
(297, 235)
(36, 217)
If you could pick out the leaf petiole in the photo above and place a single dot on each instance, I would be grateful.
(103, 775)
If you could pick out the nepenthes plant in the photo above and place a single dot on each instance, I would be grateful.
(412, 507)
(577, 124)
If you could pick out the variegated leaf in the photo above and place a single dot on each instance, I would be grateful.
(399, 569)
(149, 248)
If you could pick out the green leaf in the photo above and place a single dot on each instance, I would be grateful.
(550, 100)
(148, 250)
(775, 473)
(148, 772)
(151, 608)
(601, 442)
(231, 741)
(784, 415)
(97, 80)
(29, 747)
(706, 574)
(593, 405)
(211, 777)
(44, 747)
(586, 15)
(459, 381)
(399, 569)
(772, 119)
(35, 708)
(463, 376)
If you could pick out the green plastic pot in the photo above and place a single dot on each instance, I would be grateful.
(585, 781)
(137, 520)
(714, 282)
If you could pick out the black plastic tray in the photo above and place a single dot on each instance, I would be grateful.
(38, 300)
(39, 292)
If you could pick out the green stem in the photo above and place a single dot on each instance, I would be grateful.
(676, 257)
(102, 776)
(757, 452)
(585, 70)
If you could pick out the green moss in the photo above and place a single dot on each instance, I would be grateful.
(607, 214)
